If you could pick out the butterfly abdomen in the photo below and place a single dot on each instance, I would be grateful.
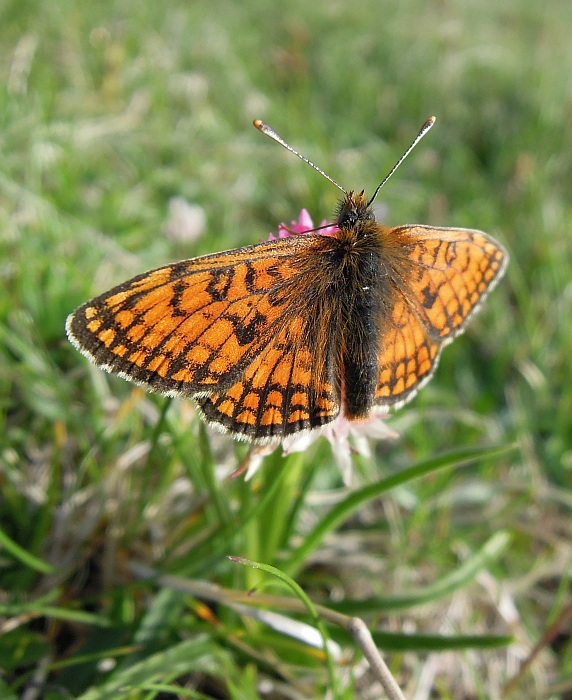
(362, 306)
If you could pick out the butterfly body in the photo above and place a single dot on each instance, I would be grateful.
(355, 270)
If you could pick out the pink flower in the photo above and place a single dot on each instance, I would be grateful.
(345, 436)
(303, 225)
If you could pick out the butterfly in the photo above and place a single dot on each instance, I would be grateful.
(287, 335)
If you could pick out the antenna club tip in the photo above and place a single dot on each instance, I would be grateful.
(258, 123)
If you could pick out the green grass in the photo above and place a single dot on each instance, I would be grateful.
(107, 111)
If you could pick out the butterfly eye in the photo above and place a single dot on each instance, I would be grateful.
(347, 218)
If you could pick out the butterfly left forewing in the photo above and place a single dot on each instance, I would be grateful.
(192, 326)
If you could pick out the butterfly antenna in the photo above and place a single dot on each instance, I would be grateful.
(269, 131)
(427, 124)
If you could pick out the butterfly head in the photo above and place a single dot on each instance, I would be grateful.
(353, 208)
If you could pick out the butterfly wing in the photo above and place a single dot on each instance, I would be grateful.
(407, 356)
(288, 387)
(450, 273)
(439, 281)
(230, 327)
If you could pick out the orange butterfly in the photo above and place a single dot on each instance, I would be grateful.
(283, 336)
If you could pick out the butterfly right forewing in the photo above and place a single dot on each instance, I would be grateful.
(448, 274)
(439, 278)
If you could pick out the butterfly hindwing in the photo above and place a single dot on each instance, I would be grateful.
(407, 355)
(288, 387)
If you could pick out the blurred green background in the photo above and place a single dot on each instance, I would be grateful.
(111, 113)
